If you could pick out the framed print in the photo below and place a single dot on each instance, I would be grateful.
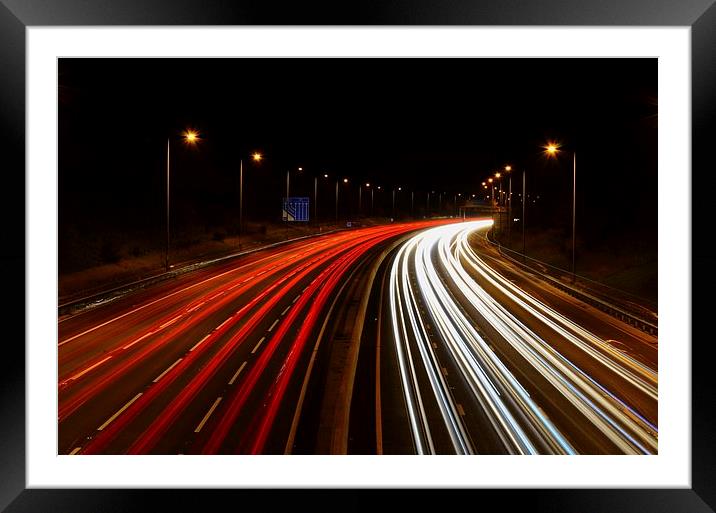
(290, 256)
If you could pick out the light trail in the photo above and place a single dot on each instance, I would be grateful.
(430, 285)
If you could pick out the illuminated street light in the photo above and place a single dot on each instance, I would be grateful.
(190, 137)
(256, 156)
(508, 168)
(552, 149)
(288, 172)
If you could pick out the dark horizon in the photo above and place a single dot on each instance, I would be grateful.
(422, 124)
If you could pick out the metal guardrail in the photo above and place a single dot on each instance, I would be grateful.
(589, 297)
(105, 296)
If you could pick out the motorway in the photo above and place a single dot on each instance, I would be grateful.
(400, 339)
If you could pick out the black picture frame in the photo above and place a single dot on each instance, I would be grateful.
(17, 15)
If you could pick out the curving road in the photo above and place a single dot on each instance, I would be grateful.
(485, 367)
(213, 362)
(407, 338)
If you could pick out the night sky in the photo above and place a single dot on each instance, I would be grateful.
(423, 124)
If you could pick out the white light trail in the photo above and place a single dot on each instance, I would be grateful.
(433, 270)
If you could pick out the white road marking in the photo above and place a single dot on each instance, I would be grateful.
(75, 450)
(208, 414)
(139, 339)
(222, 324)
(196, 307)
(460, 410)
(198, 343)
(158, 300)
(296, 298)
(175, 319)
(119, 412)
(215, 296)
(163, 373)
(286, 310)
(273, 325)
(257, 345)
(231, 381)
(80, 374)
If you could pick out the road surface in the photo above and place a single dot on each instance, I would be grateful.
(407, 338)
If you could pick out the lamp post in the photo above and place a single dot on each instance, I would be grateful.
(508, 170)
(500, 224)
(288, 172)
(256, 157)
(360, 199)
(190, 137)
(371, 197)
(524, 204)
(551, 149)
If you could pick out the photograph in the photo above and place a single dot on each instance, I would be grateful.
(357, 256)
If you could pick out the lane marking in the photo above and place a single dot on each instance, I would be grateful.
(75, 450)
(80, 374)
(460, 410)
(222, 324)
(257, 345)
(208, 414)
(231, 381)
(162, 299)
(196, 307)
(444, 371)
(139, 339)
(296, 298)
(273, 325)
(175, 319)
(286, 310)
(198, 343)
(168, 369)
(119, 412)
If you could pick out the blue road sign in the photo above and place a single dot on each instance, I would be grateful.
(295, 209)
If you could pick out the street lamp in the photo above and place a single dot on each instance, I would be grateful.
(287, 180)
(256, 157)
(508, 170)
(190, 137)
(551, 149)
(399, 188)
